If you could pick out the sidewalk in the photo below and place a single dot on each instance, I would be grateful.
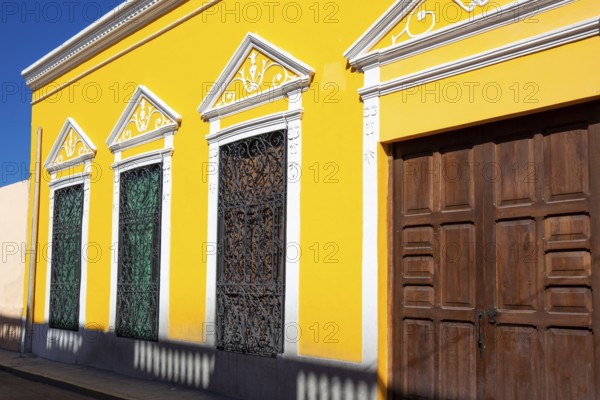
(95, 382)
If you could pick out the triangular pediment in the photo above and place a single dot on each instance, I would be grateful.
(409, 20)
(72, 147)
(145, 118)
(257, 73)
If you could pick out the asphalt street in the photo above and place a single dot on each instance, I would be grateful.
(14, 387)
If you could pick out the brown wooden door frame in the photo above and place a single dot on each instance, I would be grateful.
(487, 213)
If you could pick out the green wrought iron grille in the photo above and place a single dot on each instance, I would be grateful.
(251, 247)
(139, 253)
(66, 258)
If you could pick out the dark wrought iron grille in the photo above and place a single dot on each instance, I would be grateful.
(66, 258)
(251, 247)
(139, 253)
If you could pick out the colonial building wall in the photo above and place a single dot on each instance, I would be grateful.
(179, 57)
(432, 67)
(13, 238)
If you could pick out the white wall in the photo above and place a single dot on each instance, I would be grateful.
(14, 202)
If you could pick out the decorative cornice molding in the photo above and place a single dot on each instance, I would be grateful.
(109, 29)
(257, 124)
(140, 160)
(568, 34)
(360, 57)
(70, 180)
(253, 42)
(167, 122)
(87, 150)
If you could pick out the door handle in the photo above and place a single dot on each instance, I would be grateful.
(492, 313)
(480, 343)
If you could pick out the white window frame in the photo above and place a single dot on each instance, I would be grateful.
(291, 121)
(85, 157)
(163, 156)
(57, 184)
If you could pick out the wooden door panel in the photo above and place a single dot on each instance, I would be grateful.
(563, 232)
(569, 266)
(457, 265)
(418, 296)
(570, 364)
(572, 300)
(419, 182)
(418, 267)
(457, 180)
(514, 171)
(517, 348)
(418, 240)
(458, 363)
(516, 265)
(566, 165)
(418, 363)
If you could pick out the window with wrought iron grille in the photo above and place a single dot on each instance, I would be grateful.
(251, 244)
(65, 278)
(140, 206)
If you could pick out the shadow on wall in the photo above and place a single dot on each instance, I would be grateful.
(236, 375)
(10, 333)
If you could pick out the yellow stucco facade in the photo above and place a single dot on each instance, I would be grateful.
(473, 77)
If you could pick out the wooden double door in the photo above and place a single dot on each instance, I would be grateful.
(494, 281)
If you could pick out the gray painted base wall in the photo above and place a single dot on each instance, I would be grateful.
(236, 375)
(10, 333)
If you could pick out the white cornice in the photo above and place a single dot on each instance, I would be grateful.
(254, 42)
(380, 28)
(51, 165)
(150, 135)
(267, 123)
(140, 160)
(568, 34)
(496, 18)
(70, 180)
(112, 27)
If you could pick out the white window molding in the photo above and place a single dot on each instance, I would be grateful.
(166, 128)
(71, 148)
(291, 121)
(79, 179)
(293, 79)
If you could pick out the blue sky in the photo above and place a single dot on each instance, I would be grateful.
(28, 31)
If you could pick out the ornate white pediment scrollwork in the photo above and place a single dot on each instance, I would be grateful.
(412, 27)
(258, 73)
(146, 118)
(430, 18)
(140, 121)
(72, 147)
